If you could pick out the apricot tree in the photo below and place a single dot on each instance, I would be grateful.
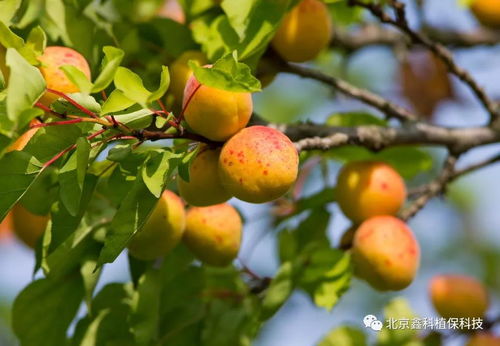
(130, 128)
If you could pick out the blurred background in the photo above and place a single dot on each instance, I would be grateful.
(459, 234)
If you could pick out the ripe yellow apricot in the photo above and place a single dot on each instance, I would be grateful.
(23, 140)
(162, 231)
(213, 234)
(487, 12)
(215, 113)
(173, 10)
(484, 339)
(385, 253)
(258, 164)
(180, 72)
(6, 227)
(52, 59)
(27, 226)
(369, 188)
(204, 187)
(458, 296)
(304, 32)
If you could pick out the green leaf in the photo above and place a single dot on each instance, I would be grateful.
(175, 38)
(164, 83)
(78, 78)
(156, 171)
(71, 236)
(90, 277)
(398, 309)
(408, 161)
(279, 291)
(145, 315)
(19, 171)
(228, 74)
(344, 336)
(352, 119)
(10, 40)
(8, 9)
(136, 119)
(112, 59)
(45, 309)
(119, 152)
(65, 107)
(72, 175)
(37, 40)
(131, 85)
(116, 102)
(327, 275)
(130, 217)
(26, 85)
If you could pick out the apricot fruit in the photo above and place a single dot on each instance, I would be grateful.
(180, 72)
(258, 164)
(27, 226)
(24, 139)
(52, 59)
(458, 296)
(484, 339)
(6, 227)
(204, 187)
(487, 12)
(304, 32)
(173, 10)
(215, 113)
(162, 231)
(213, 234)
(385, 253)
(369, 188)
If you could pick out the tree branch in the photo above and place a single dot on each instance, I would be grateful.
(371, 34)
(385, 106)
(322, 137)
(438, 49)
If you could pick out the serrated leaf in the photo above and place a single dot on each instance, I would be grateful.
(26, 85)
(162, 88)
(72, 175)
(19, 171)
(37, 40)
(130, 217)
(78, 78)
(279, 291)
(227, 74)
(112, 59)
(116, 102)
(131, 85)
(156, 171)
(44, 310)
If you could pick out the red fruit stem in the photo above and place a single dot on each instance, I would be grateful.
(55, 123)
(162, 106)
(181, 117)
(48, 110)
(73, 102)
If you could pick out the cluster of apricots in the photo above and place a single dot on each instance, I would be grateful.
(212, 234)
(461, 296)
(384, 250)
(256, 164)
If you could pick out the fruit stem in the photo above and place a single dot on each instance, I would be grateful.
(48, 110)
(73, 102)
(181, 116)
(55, 123)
